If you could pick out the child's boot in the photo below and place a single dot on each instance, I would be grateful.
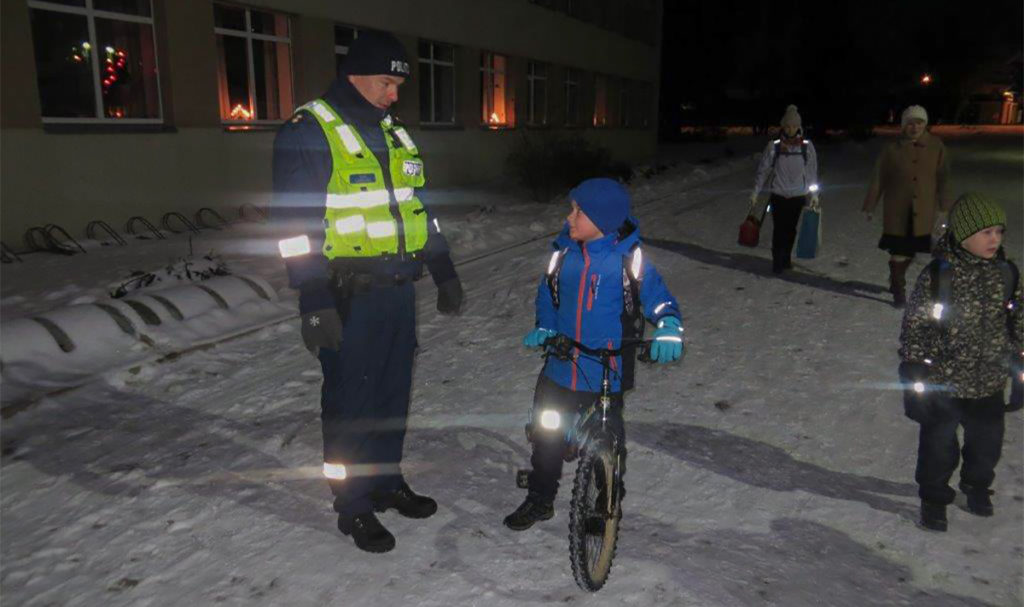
(533, 510)
(933, 516)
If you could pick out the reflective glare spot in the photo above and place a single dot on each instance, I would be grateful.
(660, 307)
(335, 471)
(927, 361)
(437, 226)
(638, 260)
(669, 338)
(381, 229)
(918, 387)
(348, 225)
(937, 311)
(814, 187)
(550, 420)
(293, 247)
(553, 262)
(403, 194)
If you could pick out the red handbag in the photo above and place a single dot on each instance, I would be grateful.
(750, 229)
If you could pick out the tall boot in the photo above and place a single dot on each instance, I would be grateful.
(898, 281)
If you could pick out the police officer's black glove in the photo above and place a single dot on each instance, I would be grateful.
(321, 329)
(1016, 402)
(449, 296)
(917, 398)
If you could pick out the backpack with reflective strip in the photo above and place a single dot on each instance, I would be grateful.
(941, 273)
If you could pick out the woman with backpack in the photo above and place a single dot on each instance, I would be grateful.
(789, 172)
(961, 338)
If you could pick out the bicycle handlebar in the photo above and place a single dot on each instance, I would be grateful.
(560, 346)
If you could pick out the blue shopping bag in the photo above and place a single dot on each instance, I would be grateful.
(808, 240)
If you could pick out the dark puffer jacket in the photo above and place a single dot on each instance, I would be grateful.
(970, 347)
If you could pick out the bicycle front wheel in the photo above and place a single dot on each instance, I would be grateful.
(594, 515)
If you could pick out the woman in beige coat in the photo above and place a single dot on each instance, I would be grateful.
(910, 178)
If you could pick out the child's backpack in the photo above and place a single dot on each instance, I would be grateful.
(632, 280)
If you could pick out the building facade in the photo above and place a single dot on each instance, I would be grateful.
(117, 108)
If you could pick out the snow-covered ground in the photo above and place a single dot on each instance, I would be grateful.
(773, 466)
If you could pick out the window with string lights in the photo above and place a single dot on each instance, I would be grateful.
(254, 66)
(96, 61)
(496, 105)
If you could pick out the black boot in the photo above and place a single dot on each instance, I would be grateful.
(898, 282)
(933, 516)
(979, 501)
(368, 533)
(532, 510)
(406, 502)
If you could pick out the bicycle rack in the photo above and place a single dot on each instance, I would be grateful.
(130, 227)
(248, 209)
(203, 224)
(165, 221)
(90, 232)
(7, 254)
(50, 228)
(35, 234)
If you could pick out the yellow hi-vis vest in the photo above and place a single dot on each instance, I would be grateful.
(361, 219)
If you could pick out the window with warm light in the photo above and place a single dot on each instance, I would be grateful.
(572, 97)
(254, 69)
(96, 61)
(600, 101)
(537, 93)
(437, 83)
(495, 105)
(625, 107)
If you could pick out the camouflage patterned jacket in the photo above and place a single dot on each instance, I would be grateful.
(970, 347)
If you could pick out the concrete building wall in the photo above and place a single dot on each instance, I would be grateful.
(72, 174)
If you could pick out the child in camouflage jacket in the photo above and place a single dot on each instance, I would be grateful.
(961, 337)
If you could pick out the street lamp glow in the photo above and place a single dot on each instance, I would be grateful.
(926, 79)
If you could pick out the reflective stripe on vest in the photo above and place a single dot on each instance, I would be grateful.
(360, 217)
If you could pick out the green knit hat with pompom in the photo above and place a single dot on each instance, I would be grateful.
(972, 213)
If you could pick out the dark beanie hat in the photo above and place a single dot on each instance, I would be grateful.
(604, 201)
(973, 213)
(373, 53)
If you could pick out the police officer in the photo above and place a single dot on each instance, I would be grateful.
(354, 236)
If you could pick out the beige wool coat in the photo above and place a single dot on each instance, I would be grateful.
(910, 177)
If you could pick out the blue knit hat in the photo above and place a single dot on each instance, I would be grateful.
(604, 201)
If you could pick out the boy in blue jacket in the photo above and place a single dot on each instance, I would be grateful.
(597, 290)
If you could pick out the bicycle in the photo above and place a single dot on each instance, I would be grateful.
(596, 505)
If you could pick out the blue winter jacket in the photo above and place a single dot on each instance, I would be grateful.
(590, 286)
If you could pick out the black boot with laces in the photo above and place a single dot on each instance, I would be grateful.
(369, 534)
(406, 502)
(533, 510)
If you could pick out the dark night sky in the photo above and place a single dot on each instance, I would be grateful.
(843, 63)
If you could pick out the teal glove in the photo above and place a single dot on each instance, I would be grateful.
(535, 338)
(668, 341)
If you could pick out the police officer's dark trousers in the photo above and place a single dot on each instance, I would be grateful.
(365, 396)
(939, 451)
(549, 446)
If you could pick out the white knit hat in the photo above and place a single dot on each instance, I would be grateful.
(791, 118)
(914, 112)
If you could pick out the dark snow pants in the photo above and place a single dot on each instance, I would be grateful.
(549, 447)
(365, 396)
(938, 451)
(785, 215)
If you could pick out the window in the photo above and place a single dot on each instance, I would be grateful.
(437, 83)
(495, 107)
(641, 105)
(344, 35)
(625, 107)
(600, 101)
(537, 92)
(96, 61)
(572, 97)
(254, 71)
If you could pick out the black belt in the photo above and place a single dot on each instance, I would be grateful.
(360, 282)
